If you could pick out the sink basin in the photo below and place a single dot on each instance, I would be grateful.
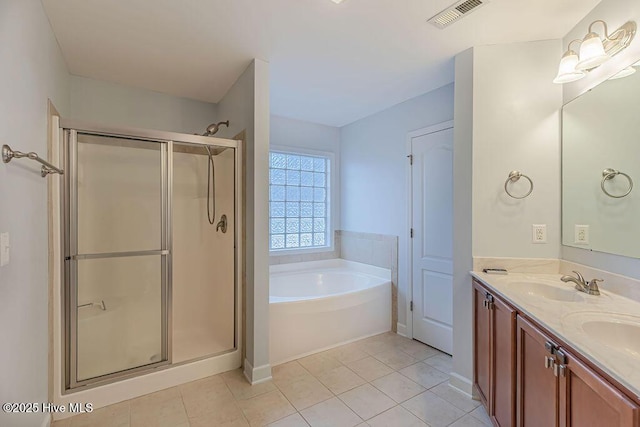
(543, 291)
(607, 331)
(621, 335)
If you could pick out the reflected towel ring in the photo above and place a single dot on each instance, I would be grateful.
(514, 176)
(609, 174)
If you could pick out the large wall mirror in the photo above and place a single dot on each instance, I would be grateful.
(601, 168)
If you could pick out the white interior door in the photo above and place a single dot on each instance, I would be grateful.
(432, 224)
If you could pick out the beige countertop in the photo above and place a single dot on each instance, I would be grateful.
(619, 358)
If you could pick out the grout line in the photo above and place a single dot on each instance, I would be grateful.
(358, 346)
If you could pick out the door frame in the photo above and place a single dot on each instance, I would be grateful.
(409, 177)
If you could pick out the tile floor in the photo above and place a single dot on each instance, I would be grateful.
(386, 380)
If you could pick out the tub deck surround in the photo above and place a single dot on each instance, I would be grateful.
(565, 318)
(379, 250)
(319, 305)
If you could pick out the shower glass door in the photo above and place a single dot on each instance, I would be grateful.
(117, 255)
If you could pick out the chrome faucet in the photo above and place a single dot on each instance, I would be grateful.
(590, 288)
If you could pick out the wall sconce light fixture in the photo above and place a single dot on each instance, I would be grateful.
(594, 51)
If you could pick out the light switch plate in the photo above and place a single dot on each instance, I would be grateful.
(4, 249)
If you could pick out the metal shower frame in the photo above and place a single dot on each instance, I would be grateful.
(69, 262)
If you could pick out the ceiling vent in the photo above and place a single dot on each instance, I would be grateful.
(455, 12)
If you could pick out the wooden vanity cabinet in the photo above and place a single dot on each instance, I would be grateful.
(586, 399)
(538, 393)
(556, 389)
(494, 348)
(527, 377)
(482, 344)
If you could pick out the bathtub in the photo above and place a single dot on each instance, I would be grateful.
(314, 306)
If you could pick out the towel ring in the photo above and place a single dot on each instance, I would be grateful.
(609, 174)
(514, 176)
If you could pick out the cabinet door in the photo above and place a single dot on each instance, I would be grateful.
(588, 400)
(537, 397)
(503, 399)
(482, 344)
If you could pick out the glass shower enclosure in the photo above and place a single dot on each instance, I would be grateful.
(150, 251)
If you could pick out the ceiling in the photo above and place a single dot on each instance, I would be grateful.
(329, 63)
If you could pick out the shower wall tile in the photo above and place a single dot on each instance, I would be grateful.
(380, 250)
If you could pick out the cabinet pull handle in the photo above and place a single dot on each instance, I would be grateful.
(488, 301)
(548, 362)
(562, 370)
(559, 370)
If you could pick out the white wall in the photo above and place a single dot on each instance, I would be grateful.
(33, 70)
(515, 124)
(301, 134)
(373, 171)
(615, 13)
(287, 132)
(462, 220)
(246, 105)
(105, 103)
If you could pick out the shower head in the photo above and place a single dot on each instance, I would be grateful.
(213, 128)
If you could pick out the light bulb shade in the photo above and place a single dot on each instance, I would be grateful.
(637, 64)
(567, 71)
(624, 73)
(592, 53)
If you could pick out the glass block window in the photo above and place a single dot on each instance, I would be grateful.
(298, 201)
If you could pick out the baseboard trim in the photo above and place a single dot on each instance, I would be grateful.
(462, 384)
(256, 375)
(402, 329)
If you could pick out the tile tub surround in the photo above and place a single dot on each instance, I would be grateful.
(380, 250)
(345, 386)
(564, 319)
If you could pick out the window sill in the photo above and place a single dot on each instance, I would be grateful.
(288, 252)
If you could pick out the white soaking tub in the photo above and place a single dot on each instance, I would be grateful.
(314, 306)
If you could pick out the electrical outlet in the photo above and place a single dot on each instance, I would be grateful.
(581, 234)
(4, 249)
(539, 233)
